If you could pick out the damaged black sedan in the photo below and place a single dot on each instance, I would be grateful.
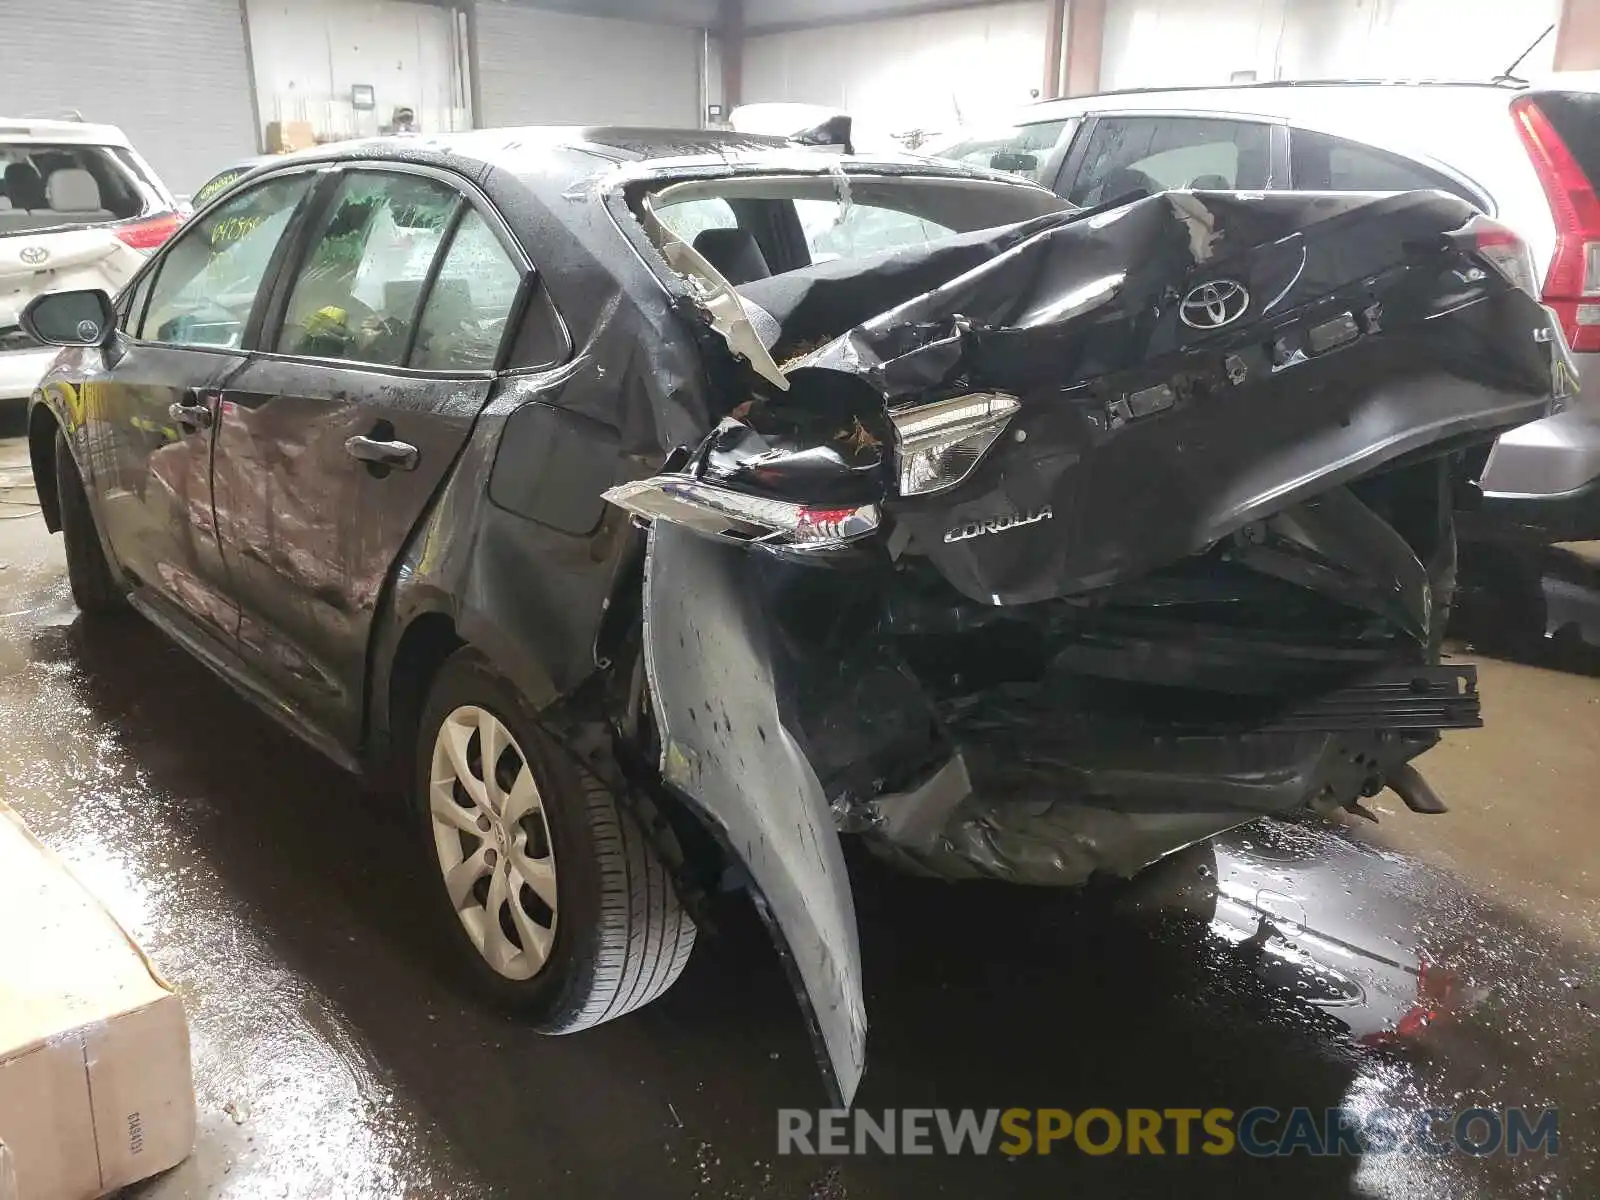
(654, 508)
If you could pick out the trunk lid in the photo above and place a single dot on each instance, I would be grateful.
(1189, 365)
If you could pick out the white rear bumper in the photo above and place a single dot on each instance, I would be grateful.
(20, 371)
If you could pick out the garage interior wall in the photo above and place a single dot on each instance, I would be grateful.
(167, 72)
(308, 54)
(1167, 43)
(538, 67)
(931, 71)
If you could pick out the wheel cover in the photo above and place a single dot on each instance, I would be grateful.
(493, 842)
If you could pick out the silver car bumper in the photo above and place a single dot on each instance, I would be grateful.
(1556, 456)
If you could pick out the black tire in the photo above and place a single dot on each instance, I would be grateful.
(621, 937)
(93, 587)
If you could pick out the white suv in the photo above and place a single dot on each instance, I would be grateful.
(1527, 155)
(78, 209)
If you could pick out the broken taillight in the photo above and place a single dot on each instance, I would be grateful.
(1572, 284)
(733, 516)
(1506, 252)
(937, 445)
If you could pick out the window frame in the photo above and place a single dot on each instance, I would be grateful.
(1277, 129)
(530, 287)
(150, 273)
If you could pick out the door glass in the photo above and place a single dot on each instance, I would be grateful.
(1021, 149)
(469, 303)
(357, 292)
(1130, 157)
(1321, 163)
(833, 230)
(208, 280)
(693, 217)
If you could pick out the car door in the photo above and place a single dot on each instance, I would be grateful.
(150, 402)
(378, 353)
(1135, 154)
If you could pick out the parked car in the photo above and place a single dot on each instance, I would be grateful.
(78, 208)
(550, 472)
(1527, 155)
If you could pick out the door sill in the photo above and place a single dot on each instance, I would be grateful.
(226, 663)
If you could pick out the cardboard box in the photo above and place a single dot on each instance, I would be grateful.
(95, 1084)
(283, 136)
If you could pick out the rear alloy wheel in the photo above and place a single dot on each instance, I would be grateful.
(555, 902)
(493, 845)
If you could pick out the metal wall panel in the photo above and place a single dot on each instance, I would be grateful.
(538, 67)
(171, 73)
(931, 71)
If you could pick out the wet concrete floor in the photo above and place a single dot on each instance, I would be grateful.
(334, 1056)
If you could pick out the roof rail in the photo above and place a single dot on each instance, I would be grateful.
(60, 114)
(1504, 82)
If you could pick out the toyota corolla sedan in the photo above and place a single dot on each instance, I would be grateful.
(653, 508)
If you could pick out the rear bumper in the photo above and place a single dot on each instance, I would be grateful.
(21, 370)
(1556, 517)
(1554, 461)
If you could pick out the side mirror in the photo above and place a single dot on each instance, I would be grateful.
(82, 318)
(1014, 162)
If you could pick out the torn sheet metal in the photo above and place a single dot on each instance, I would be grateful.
(727, 748)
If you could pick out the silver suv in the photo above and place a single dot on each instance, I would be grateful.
(1527, 155)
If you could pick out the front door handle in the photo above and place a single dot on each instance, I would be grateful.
(190, 416)
(386, 454)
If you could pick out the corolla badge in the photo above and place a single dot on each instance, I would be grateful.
(33, 255)
(1000, 524)
(1215, 304)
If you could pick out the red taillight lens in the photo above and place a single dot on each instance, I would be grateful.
(147, 235)
(1574, 275)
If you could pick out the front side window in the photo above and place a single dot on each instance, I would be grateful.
(358, 289)
(469, 304)
(206, 284)
(1320, 163)
(1021, 149)
(1131, 157)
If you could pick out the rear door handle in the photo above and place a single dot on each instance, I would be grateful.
(190, 416)
(388, 454)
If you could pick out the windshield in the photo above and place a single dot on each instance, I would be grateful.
(45, 186)
(751, 227)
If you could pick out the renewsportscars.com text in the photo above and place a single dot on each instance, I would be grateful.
(1258, 1132)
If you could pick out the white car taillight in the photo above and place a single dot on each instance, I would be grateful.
(729, 515)
(937, 445)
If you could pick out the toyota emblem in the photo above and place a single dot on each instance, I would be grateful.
(33, 255)
(1215, 304)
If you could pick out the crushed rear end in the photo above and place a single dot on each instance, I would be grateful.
(1051, 549)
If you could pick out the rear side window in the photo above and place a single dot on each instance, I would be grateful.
(1132, 157)
(835, 231)
(48, 186)
(1022, 150)
(357, 293)
(471, 299)
(694, 217)
(1321, 163)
